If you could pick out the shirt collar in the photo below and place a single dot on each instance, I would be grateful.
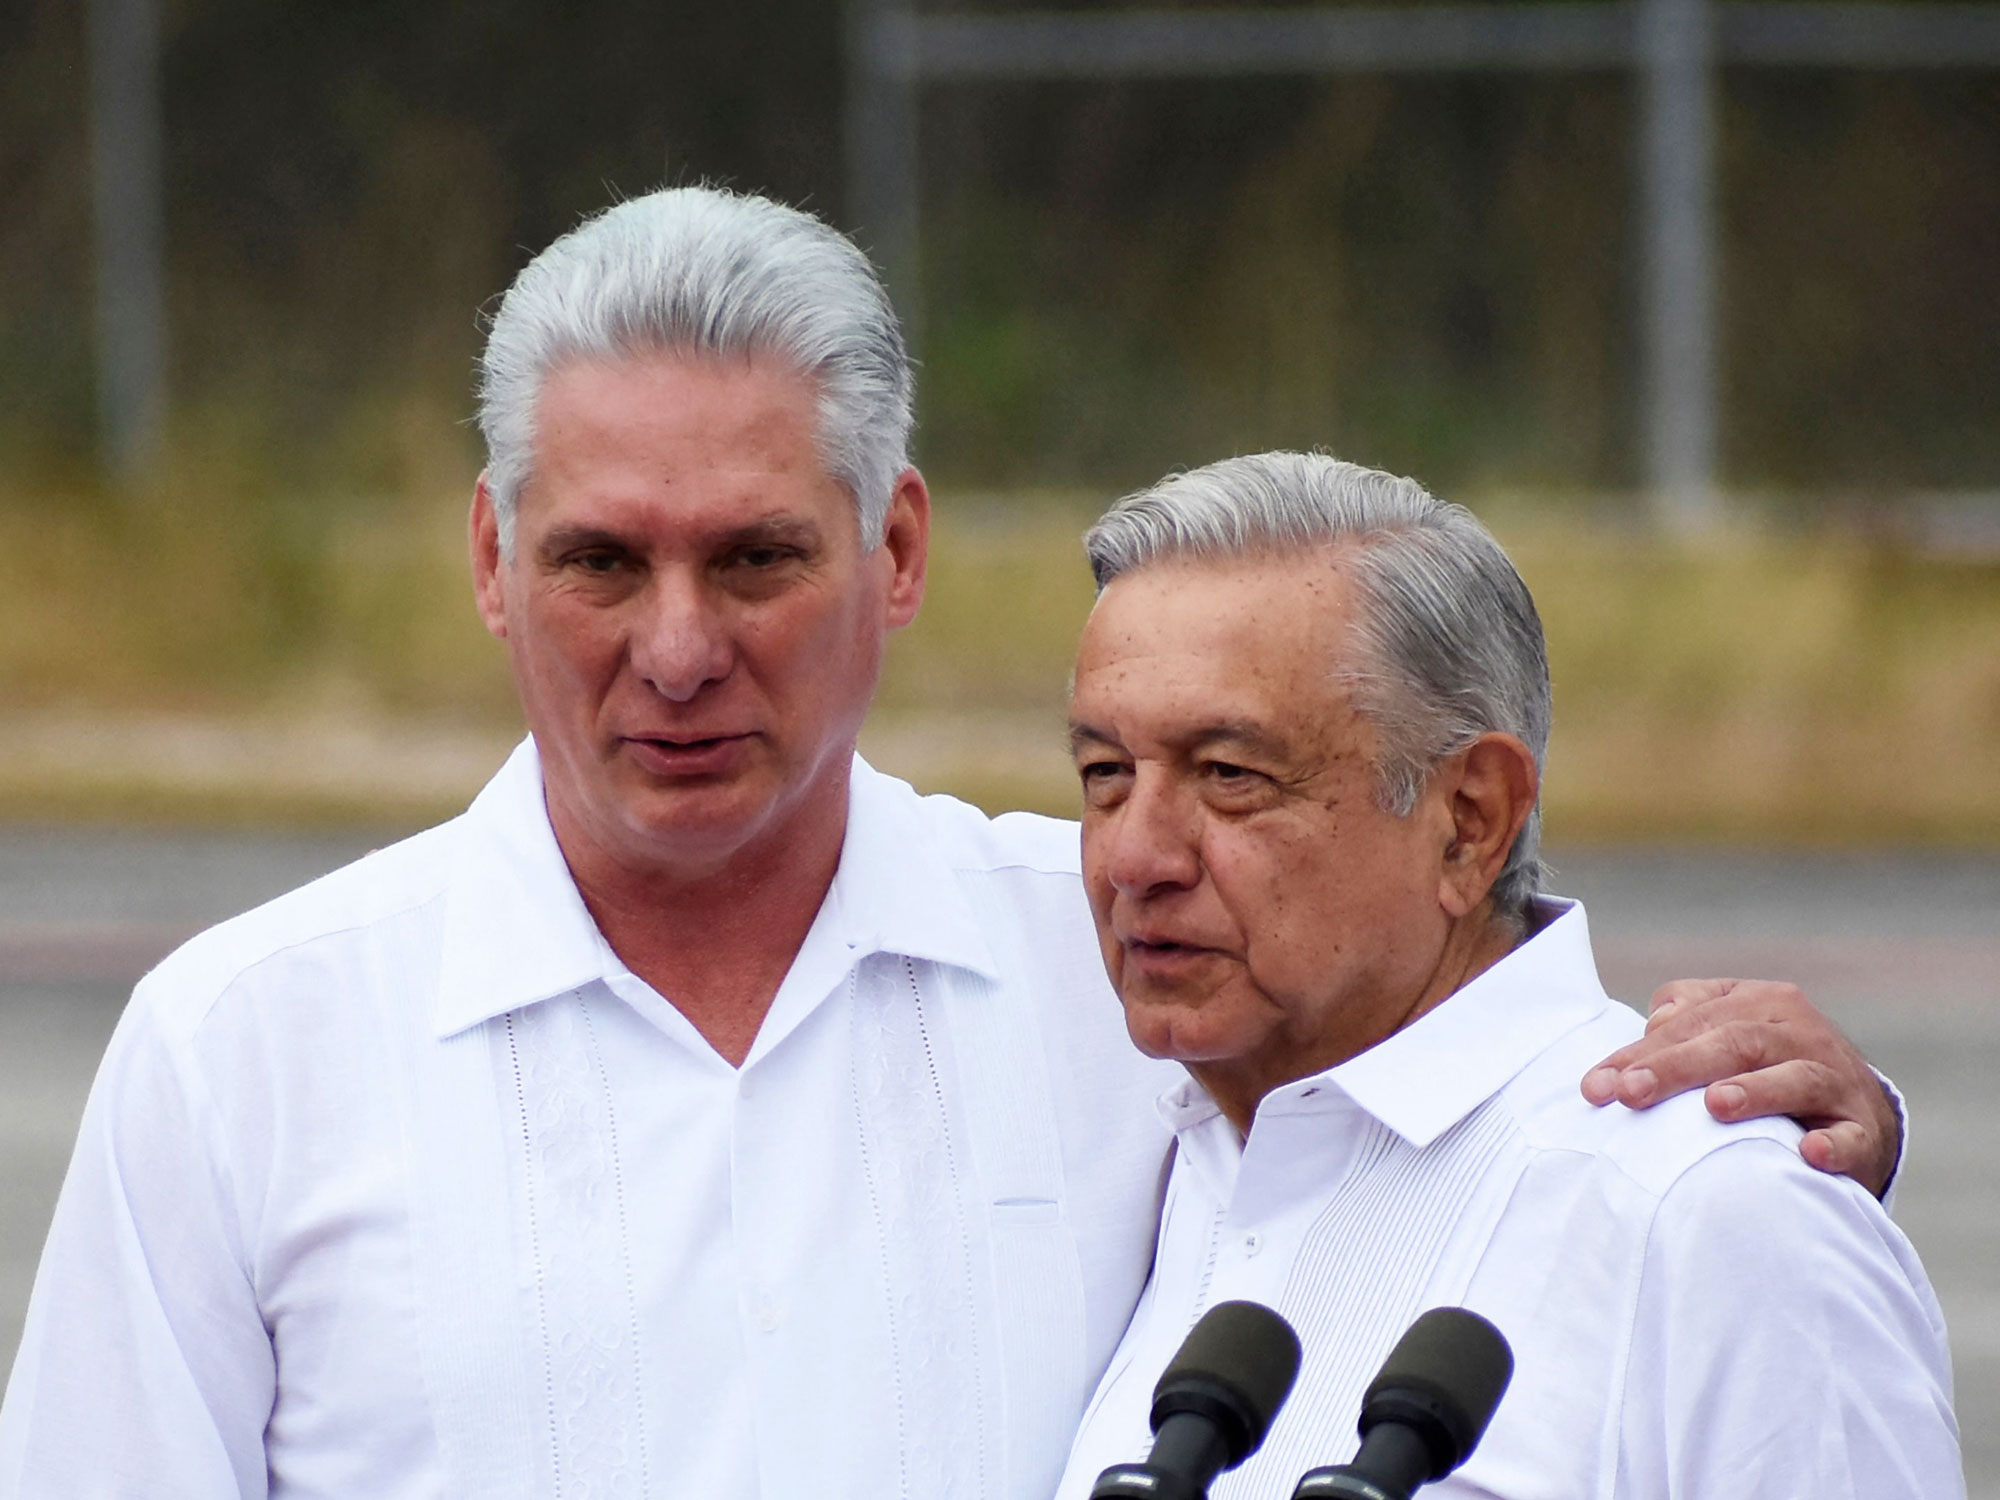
(1424, 1079)
(516, 930)
(896, 891)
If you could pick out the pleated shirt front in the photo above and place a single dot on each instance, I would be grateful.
(1694, 1311)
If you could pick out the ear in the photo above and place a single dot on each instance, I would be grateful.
(1490, 788)
(906, 542)
(483, 529)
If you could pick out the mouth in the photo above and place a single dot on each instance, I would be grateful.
(1162, 948)
(687, 754)
(682, 742)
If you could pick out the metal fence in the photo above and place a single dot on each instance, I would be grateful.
(1671, 47)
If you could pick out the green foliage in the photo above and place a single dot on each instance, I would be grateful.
(1437, 275)
(1434, 275)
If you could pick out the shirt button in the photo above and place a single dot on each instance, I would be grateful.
(1252, 1243)
(767, 1319)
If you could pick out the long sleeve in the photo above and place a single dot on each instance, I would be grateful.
(145, 1368)
(1786, 1344)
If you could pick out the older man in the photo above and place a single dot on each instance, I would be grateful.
(701, 1113)
(1309, 715)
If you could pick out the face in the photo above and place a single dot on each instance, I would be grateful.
(694, 625)
(1261, 917)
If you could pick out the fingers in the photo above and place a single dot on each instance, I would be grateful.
(1842, 1148)
(1759, 1048)
(1795, 1087)
(1679, 1015)
(1732, 1026)
(1679, 996)
(1600, 1084)
(1679, 1055)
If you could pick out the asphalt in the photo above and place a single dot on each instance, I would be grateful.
(1902, 949)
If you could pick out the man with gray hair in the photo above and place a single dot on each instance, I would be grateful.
(701, 1113)
(1309, 716)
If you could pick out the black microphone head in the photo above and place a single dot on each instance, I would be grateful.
(1443, 1378)
(1235, 1368)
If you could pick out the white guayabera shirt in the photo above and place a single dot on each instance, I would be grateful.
(404, 1185)
(1694, 1312)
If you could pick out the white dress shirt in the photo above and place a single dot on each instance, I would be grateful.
(404, 1185)
(1694, 1311)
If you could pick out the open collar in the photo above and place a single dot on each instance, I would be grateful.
(516, 930)
(1424, 1079)
(896, 889)
(1441, 1067)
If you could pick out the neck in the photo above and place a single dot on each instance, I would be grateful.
(1472, 945)
(717, 940)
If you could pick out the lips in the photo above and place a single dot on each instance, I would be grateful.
(1163, 947)
(1157, 959)
(681, 741)
(684, 754)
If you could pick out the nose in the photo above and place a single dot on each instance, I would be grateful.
(681, 640)
(1150, 843)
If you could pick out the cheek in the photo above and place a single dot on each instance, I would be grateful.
(566, 656)
(1296, 895)
(813, 645)
(564, 640)
(1098, 892)
(1266, 872)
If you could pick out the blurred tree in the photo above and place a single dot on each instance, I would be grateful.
(45, 364)
(1434, 274)
(1863, 281)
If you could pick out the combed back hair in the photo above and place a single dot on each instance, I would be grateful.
(1449, 646)
(703, 271)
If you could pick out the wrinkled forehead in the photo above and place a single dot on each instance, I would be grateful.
(1264, 611)
(1179, 648)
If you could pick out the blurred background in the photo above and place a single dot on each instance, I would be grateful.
(1697, 304)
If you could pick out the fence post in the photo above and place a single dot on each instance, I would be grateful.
(1677, 89)
(129, 234)
(883, 184)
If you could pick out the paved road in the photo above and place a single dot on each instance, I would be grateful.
(1904, 951)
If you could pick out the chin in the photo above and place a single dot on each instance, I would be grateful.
(697, 819)
(1173, 1032)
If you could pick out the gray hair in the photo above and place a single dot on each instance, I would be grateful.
(700, 270)
(1450, 643)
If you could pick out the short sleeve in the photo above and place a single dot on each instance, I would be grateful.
(1786, 1344)
(1902, 1107)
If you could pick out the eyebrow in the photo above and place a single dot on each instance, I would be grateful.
(559, 539)
(1082, 734)
(1243, 732)
(765, 531)
(796, 531)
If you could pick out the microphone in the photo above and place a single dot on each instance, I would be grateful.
(1425, 1412)
(1213, 1406)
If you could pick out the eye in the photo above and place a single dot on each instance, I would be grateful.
(1231, 785)
(759, 558)
(599, 561)
(1103, 780)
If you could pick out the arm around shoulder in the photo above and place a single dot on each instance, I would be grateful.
(1786, 1343)
(144, 1367)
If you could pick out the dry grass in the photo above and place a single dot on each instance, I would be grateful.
(210, 658)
